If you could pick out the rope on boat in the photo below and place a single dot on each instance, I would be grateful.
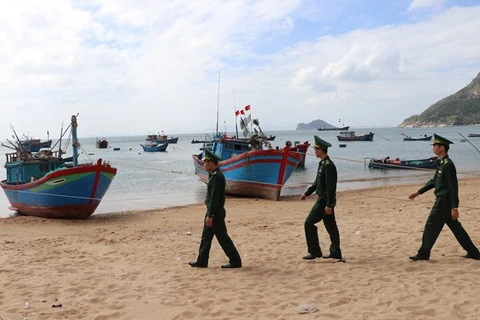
(153, 169)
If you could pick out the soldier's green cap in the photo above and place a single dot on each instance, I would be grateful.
(209, 155)
(320, 143)
(441, 140)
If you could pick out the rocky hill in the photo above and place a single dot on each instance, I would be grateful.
(313, 125)
(459, 109)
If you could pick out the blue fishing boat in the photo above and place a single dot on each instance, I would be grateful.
(50, 187)
(154, 147)
(249, 170)
(34, 145)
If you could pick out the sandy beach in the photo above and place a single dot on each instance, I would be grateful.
(133, 265)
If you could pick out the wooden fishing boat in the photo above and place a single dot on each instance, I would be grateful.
(102, 143)
(350, 136)
(410, 138)
(34, 145)
(30, 145)
(474, 135)
(302, 149)
(387, 163)
(45, 185)
(271, 138)
(154, 147)
(161, 138)
(251, 172)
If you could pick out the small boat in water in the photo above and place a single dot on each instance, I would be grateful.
(102, 143)
(29, 144)
(410, 138)
(332, 128)
(271, 138)
(474, 135)
(154, 147)
(161, 138)
(387, 163)
(46, 185)
(350, 136)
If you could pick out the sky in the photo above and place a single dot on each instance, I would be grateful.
(137, 67)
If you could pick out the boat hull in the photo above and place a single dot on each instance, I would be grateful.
(155, 148)
(67, 193)
(259, 173)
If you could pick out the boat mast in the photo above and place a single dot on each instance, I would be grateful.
(218, 103)
(75, 143)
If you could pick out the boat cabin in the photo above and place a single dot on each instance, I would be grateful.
(230, 147)
(23, 170)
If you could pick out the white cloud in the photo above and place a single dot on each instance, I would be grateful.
(366, 63)
(422, 4)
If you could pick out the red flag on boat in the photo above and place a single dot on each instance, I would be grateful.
(237, 113)
(242, 112)
(247, 108)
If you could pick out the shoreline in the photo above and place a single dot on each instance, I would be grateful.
(112, 206)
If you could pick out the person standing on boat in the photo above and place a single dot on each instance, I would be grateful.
(445, 208)
(214, 222)
(325, 187)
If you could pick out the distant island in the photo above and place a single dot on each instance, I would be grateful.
(459, 109)
(319, 125)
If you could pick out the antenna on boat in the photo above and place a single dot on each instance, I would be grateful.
(218, 102)
(60, 140)
(235, 113)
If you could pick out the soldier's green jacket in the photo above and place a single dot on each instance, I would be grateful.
(215, 199)
(445, 182)
(325, 184)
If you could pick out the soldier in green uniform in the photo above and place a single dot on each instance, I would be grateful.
(214, 222)
(325, 186)
(445, 208)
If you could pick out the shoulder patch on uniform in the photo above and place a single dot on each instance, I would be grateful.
(446, 161)
(327, 161)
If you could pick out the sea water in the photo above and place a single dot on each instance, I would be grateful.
(150, 180)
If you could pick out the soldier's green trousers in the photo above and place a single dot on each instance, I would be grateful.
(316, 215)
(439, 216)
(219, 230)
